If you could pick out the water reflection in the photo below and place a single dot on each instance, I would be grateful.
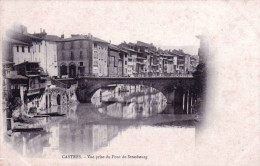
(142, 102)
(86, 128)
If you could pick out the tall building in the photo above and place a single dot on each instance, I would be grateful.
(115, 61)
(100, 55)
(74, 56)
(26, 47)
(131, 58)
(82, 55)
(49, 57)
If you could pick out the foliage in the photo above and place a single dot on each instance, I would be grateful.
(200, 79)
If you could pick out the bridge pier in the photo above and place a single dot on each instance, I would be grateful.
(185, 102)
(170, 97)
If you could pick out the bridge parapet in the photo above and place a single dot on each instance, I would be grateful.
(87, 86)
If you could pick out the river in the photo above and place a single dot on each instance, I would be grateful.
(116, 115)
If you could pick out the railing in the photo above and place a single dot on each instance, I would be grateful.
(35, 88)
(143, 75)
(33, 72)
(58, 83)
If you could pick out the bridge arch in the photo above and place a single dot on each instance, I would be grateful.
(167, 85)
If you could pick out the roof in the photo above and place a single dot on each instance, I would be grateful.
(22, 37)
(82, 37)
(131, 44)
(13, 41)
(32, 36)
(73, 38)
(114, 47)
(98, 40)
(176, 52)
(26, 62)
(15, 77)
(5, 62)
(140, 43)
(52, 38)
(129, 49)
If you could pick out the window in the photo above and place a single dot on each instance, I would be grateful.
(81, 44)
(95, 63)
(29, 49)
(112, 60)
(80, 55)
(95, 45)
(22, 48)
(126, 55)
(81, 63)
(63, 56)
(72, 56)
(125, 62)
(39, 48)
(17, 48)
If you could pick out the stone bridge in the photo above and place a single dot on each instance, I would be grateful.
(175, 89)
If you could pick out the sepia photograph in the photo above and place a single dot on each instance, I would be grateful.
(129, 83)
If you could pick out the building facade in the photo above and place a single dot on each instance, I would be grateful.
(74, 57)
(100, 57)
(115, 62)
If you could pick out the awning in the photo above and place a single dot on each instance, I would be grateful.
(17, 77)
(33, 75)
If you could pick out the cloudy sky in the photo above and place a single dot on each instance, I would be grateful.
(166, 25)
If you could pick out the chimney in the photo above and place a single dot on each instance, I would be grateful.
(110, 41)
(90, 36)
(62, 36)
(40, 30)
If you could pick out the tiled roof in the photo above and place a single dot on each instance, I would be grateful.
(32, 36)
(79, 37)
(52, 38)
(16, 42)
(98, 40)
(26, 62)
(16, 76)
(140, 43)
(84, 37)
(129, 49)
(114, 47)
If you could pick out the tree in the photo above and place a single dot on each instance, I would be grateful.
(200, 79)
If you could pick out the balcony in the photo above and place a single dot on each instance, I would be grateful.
(33, 72)
(35, 88)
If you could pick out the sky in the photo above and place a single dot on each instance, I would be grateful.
(166, 25)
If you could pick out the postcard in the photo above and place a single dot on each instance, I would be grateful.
(135, 83)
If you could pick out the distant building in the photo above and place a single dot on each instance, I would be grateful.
(187, 68)
(194, 60)
(100, 55)
(180, 61)
(115, 61)
(149, 57)
(131, 58)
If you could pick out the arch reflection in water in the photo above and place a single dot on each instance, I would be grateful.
(87, 128)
